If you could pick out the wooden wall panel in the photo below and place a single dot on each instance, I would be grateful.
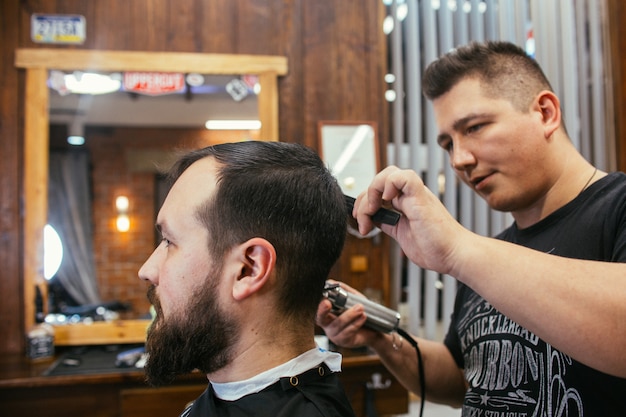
(292, 88)
(215, 27)
(11, 305)
(617, 31)
(343, 74)
(342, 70)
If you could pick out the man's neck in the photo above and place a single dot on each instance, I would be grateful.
(566, 188)
(255, 355)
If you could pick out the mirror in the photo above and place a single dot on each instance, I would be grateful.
(129, 138)
(38, 63)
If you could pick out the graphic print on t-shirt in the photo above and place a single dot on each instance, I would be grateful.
(510, 371)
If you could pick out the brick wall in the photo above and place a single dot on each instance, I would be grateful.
(123, 163)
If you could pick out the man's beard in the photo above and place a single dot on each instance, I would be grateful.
(198, 338)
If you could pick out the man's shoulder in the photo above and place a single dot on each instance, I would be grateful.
(324, 397)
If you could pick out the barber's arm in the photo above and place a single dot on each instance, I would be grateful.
(444, 380)
(575, 305)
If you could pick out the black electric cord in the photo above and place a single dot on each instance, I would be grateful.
(420, 367)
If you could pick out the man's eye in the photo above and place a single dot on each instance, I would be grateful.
(446, 145)
(474, 128)
(166, 241)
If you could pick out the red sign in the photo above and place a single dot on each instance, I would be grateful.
(154, 83)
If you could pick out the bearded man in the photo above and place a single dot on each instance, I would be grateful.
(250, 231)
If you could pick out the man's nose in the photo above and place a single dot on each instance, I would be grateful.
(149, 271)
(461, 156)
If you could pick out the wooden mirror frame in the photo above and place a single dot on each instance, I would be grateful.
(37, 62)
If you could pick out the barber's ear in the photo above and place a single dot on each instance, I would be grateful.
(548, 104)
(257, 258)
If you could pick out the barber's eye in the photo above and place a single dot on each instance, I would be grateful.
(446, 145)
(474, 128)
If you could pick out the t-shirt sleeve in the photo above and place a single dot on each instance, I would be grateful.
(451, 340)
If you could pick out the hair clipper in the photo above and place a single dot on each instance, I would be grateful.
(379, 318)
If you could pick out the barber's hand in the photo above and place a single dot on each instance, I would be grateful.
(426, 232)
(345, 330)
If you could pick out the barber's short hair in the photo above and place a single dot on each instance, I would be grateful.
(504, 70)
(284, 193)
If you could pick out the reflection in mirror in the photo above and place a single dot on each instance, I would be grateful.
(37, 62)
(116, 144)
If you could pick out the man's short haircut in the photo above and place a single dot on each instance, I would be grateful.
(504, 70)
(284, 193)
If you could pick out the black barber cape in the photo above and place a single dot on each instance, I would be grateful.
(315, 393)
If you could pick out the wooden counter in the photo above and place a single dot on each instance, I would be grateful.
(24, 390)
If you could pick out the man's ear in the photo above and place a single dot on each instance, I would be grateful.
(258, 259)
(549, 106)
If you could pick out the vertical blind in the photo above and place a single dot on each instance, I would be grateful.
(568, 39)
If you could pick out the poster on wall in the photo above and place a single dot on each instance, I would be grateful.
(153, 83)
(57, 29)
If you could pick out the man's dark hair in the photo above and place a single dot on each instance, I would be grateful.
(284, 193)
(504, 70)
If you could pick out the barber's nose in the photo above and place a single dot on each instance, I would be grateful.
(461, 156)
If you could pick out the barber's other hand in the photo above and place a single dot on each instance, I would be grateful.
(345, 330)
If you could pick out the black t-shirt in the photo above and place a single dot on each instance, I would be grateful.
(513, 373)
(315, 393)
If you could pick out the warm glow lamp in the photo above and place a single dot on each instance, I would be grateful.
(123, 221)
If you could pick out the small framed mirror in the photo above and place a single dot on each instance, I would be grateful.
(350, 149)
